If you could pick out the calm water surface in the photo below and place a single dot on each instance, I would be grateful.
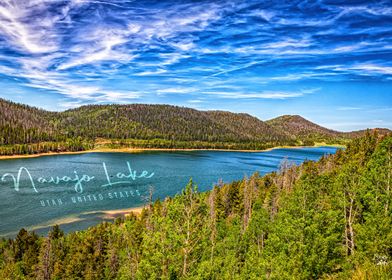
(75, 190)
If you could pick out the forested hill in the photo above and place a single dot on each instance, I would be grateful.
(23, 124)
(166, 122)
(322, 220)
(25, 130)
(302, 128)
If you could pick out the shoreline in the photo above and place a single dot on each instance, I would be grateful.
(75, 218)
(112, 214)
(141, 150)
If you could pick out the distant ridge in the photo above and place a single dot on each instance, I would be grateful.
(297, 125)
(301, 128)
(308, 132)
(159, 126)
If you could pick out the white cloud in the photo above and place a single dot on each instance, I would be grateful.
(288, 43)
(184, 46)
(348, 108)
(151, 73)
(372, 68)
(177, 90)
(195, 101)
(266, 15)
(100, 46)
(261, 95)
(37, 37)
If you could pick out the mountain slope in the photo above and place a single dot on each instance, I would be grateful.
(166, 122)
(301, 127)
(308, 132)
(24, 124)
(151, 126)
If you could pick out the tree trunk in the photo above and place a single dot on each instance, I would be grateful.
(389, 170)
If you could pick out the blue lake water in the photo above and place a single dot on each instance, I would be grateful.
(75, 190)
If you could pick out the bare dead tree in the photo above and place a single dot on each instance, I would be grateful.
(148, 198)
(250, 193)
(212, 213)
(388, 187)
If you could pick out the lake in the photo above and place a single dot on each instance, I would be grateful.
(76, 190)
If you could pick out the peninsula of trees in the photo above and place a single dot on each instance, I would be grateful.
(29, 130)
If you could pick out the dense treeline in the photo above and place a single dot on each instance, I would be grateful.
(322, 220)
(70, 145)
(26, 130)
(170, 144)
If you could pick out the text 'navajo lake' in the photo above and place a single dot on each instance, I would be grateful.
(75, 190)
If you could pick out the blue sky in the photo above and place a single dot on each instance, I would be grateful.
(329, 61)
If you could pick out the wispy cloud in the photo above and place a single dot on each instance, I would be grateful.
(195, 101)
(117, 51)
(177, 90)
(371, 68)
(348, 108)
(261, 95)
(21, 31)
